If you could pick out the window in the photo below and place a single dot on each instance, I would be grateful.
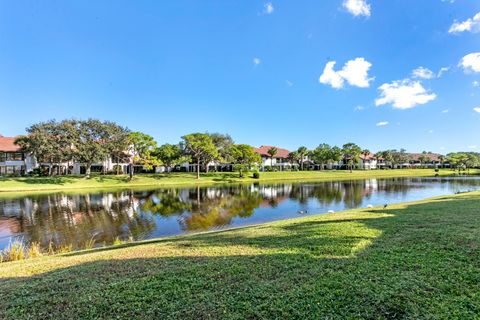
(14, 156)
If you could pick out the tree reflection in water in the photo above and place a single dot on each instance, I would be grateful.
(64, 220)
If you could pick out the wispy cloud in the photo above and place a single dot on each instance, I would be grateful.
(476, 83)
(472, 147)
(445, 111)
(382, 123)
(469, 25)
(476, 109)
(256, 61)
(355, 72)
(471, 62)
(423, 73)
(289, 83)
(442, 71)
(359, 108)
(404, 94)
(268, 8)
(357, 7)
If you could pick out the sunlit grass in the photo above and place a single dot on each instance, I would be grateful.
(42, 184)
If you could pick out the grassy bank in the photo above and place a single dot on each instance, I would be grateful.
(184, 179)
(416, 260)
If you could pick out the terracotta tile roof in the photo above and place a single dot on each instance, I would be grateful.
(281, 153)
(7, 144)
(370, 156)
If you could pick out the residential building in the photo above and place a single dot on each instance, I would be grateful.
(12, 160)
(280, 161)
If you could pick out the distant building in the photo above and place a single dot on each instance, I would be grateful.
(280, 161)
(12, 159)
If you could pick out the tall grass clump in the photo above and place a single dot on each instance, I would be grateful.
(16, 250)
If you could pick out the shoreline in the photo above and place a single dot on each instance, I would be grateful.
(9, 186)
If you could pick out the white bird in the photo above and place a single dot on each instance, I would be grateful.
(331, 211)
(369, 206)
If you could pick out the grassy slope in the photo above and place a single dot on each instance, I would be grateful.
(416, 260)
(173, 179)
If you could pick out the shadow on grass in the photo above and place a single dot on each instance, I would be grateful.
(420, 262)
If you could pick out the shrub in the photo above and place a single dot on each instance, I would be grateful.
(256, 175)
(436, 170)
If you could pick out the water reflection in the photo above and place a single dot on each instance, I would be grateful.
(62, 220)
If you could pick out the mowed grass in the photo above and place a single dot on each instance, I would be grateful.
(411, 261)
(184, 179)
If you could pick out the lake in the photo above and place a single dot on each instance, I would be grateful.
(65, 219)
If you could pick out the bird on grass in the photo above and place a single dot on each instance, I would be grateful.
(369, 206)
(331, 211)
(385, 206)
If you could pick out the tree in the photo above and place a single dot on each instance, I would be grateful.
(170, 155)
(294, 158)
(351, 152)
(244, 157)
(141, 145)
(117, 142)
(322, 154)
(201, 147)
(365, 153)
(336, 155)
(222, 143)
(302, 151)
(272, 152)
(91, 143)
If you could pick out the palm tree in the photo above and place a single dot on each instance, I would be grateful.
(272, 152)
(365, 153)
(302, 151)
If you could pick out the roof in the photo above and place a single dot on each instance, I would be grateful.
(7, 144)
(281, 153)
(432, 156)
(369, 156)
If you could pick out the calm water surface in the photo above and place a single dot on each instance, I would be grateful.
(64, 219)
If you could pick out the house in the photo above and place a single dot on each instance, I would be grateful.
(12, 160)
(368, 161)
(280, 161)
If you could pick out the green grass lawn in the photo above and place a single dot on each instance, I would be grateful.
(418, 261)
(182, 179)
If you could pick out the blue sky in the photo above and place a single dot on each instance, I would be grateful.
(249, 68)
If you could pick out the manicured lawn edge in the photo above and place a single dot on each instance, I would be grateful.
(100, 182)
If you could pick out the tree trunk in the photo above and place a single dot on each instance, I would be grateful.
(198, 168)
(131, 170)
(88, 169)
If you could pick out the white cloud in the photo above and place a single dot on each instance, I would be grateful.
(472, 147)
(430, 131)
(359, 108)
(442, 71)
(256, 61)
(471, 24)
(476, 109)
(445, 111)
(476, 83)
(268, 8)
(471, 62)
(381, 123)
(357, 7)
(355, 72)
(289, 83)
(403, 94)
(423, 73)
